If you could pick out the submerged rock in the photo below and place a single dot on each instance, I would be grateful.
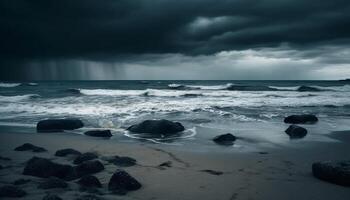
(296, 132)
(53, 182)
(99, 133)
(58, 125)
(85, 157)
(213, 172)
(88, 167)
(44, 168)
(51, 197)
(30, 147)
(121, 161)
(21, 181)
(11, 191)
(65, 152)
(157, 127)
(337, 172)
(304, 88)
(301, 119)
(89, 181)
(225, 139)
(121, 182)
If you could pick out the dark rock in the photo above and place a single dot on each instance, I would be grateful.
(21, 181)
(157, 127)
(121, 182)
(121, 161)
(88, 167)
(165, 164)
(44, 168)
(11, 191)
(89, 181)
(225, 139)
(296, 132)
(1, 167)
(301, 119)
(53, 182)
(51, 197)
(89, 197)
(85, 157)
(65, 152)
(212, 172)
(99, 133)
(30, 147)
(58, 125)
(304, 88)
(334, 172)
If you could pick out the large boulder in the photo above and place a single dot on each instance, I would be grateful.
(157, 127)
(44, 168)
(85, 157)
(88, 167)
(99, 133)
(58, 125)
(121, 182)
(65, 152)
(337, 172)
(89, 181)
(301, 119)
(29, 147)
(225, 139)
(53, 182)
(11, 191)
(296, 132)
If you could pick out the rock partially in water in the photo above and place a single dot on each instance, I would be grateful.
(11, 191)
(58, 125)
(121, 182)
(337, 172)
(53, 182)
(85, 157)
(21, 181)
(121, 161)
(225, 139)
(296, 132)
(65, 152)
(157, 127)
(88, 167)
(44, 168)
(89, 181)
(99, 133)
(30, 147)
(51, 197)
(301, 119)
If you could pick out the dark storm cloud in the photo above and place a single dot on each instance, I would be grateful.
(94, 29)
(50, 39)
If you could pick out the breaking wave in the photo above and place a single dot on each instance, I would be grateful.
(9, 85)
(18, 98)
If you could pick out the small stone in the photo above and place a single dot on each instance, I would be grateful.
(30, 147)
(225, 139)
(296, 132)
(88, 167)
(65, 152)
(212, 172)
(121, 182)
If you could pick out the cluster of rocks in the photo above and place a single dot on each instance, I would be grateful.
(57, 175)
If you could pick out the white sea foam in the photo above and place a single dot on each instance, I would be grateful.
(8, 85)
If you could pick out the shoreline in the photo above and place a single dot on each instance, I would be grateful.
(275, 174)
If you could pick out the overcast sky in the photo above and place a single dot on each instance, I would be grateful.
(174, 39)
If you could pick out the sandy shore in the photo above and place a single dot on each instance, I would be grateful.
(283, 173)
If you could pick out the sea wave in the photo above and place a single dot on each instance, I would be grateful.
(18, 97)
(9, 85)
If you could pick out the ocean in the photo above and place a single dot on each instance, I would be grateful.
(253, 110)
